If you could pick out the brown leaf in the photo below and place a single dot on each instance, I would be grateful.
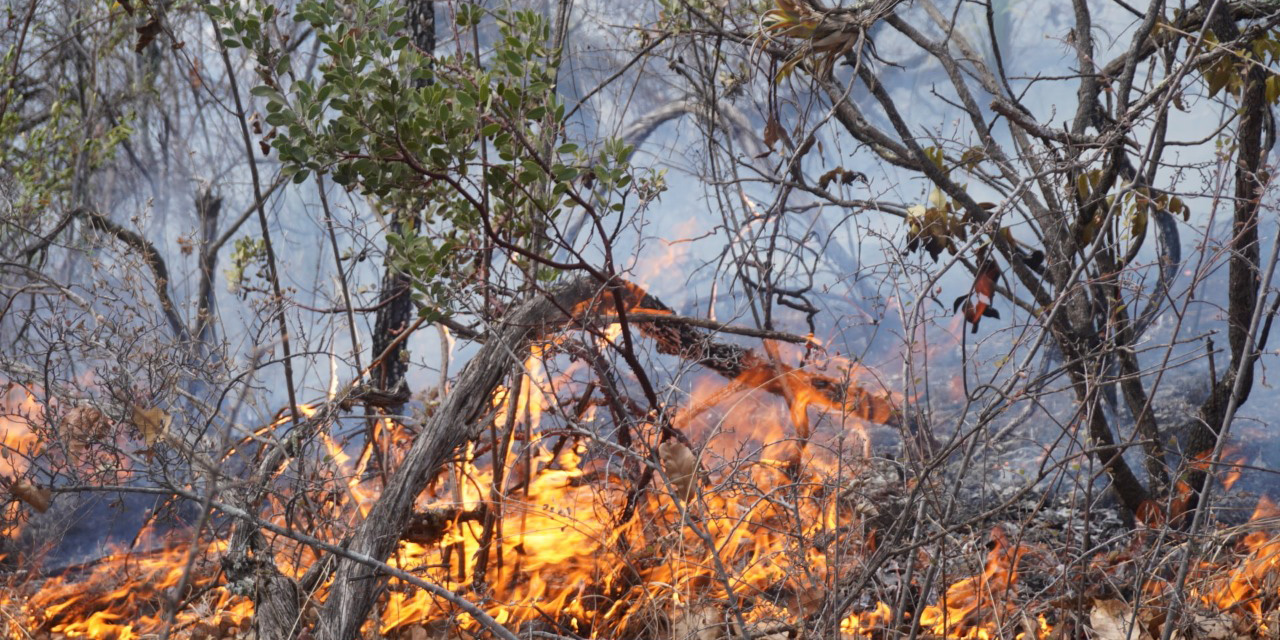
(1113, 619)
(845, 177)
(193, 75)
(680, 465)
(977, 303)
(38, 498)
(826, 178)
(82, 426)
(152, 423)
(1109, 619)
(147, 34)
(697, 623)
(773, 132)
(1213, 627)
(973, 157)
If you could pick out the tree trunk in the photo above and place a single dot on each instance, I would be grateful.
(355, 587)
(395, 305)
(1243, 278)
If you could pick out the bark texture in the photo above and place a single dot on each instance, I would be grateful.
(395, 305)
(1243, 277)
(355, 587)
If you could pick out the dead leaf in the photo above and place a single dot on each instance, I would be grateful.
(1213, 627)
(1111, 620)
(773, 132)
(697, 623)
(152, 423)
(680, 465)
(972, 158)
(977, 303)
(193, 75)
(1207, 627)
(37, 497)
(82, 426)
(937, 199)
(147, 34)
(845, 177)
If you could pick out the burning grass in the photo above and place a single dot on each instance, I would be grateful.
(129, 594)
(782, 548)
(754, 529)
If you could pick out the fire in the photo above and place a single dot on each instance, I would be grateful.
(18, 412)
(1236, 458)
(1254, 585)
(559, 551)
(762, 511)
(129, 594)
(974, 605)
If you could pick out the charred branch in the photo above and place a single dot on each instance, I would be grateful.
(356, 586)
(1243, 273)
(208, 207)
(428, 527)
(135, 242)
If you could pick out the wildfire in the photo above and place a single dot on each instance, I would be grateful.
(762, 513)
(129, 594)
(966, 603)
(1254, 586)
(17, 441)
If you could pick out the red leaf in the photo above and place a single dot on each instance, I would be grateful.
(977, 303)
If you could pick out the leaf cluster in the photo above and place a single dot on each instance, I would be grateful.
(463, 148)
(1227, 72)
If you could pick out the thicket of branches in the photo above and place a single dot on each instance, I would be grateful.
(242, 241)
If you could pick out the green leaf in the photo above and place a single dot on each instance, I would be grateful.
(263, 91)
(565, 174)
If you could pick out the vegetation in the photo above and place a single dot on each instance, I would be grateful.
(750, 301)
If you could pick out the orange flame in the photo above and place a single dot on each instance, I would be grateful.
(974, 605)
(545, 542)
